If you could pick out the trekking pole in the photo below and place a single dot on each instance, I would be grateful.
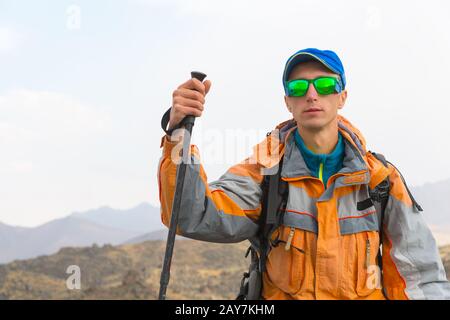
(188, 122)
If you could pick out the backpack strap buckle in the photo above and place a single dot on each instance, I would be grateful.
(380, 192)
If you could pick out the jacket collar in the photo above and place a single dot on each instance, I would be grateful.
(359, 166)
(294, 165)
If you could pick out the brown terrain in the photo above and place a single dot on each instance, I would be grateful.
(200, 270)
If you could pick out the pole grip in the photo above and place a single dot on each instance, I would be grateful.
(190, 120)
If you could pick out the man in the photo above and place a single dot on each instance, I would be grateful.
(327, 244)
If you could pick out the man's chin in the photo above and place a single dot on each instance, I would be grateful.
(313, 125)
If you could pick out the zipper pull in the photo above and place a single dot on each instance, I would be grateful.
(289, 239)
(367, 253)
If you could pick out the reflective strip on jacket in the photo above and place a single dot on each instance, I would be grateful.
(333, 245)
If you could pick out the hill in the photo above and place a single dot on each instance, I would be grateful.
(200, 270)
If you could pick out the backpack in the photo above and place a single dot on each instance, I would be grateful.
(275, 193)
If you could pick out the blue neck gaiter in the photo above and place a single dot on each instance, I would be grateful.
(322, 166)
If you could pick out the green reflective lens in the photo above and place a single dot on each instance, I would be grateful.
(298, 88)
(323, 85)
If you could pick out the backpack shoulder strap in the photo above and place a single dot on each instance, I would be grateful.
(275, 192)
(380, 194)
(273, 202)
(380, 197)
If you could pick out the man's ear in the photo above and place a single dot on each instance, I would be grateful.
(287, 104)
(342, 99)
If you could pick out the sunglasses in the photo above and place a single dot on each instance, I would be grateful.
(323, 86)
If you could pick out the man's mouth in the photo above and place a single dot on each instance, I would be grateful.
(312, 110)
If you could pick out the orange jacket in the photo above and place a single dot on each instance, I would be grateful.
(332, 245)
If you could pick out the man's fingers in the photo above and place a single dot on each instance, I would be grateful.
(207, 85)
(189, 111)
(189, 94)
(181, 101)
(194, 84)
(188, 99)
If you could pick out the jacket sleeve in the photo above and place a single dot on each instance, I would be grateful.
(224, 211)
(412, 267)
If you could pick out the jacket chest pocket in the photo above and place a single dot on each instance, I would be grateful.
(287, 261)
(357, 212)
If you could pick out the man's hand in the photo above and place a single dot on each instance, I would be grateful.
(188, 99)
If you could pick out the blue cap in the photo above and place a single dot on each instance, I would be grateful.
(327, 57)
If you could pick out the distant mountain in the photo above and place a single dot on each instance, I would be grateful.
(433, 198)
(21, 243)
(9, 238)
(152, 236)
(8, 233)
(142, 218)
(101, 226)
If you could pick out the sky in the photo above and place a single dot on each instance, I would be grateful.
(83, 86)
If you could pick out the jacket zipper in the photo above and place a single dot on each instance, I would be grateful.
(367, 252)
(321, 172)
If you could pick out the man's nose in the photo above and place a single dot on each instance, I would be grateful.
(311, 94)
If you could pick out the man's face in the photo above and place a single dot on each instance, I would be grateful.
(313, 111)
